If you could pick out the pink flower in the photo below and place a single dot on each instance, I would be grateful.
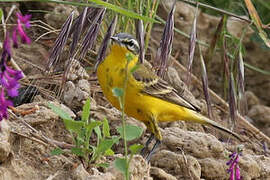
(4, 105)
(22, 21)
(234, 169)
(6, 54)
(9, 78)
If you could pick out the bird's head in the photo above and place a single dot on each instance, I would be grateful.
(126, 41)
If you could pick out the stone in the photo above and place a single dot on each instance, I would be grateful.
(197, 144)
(260, 114)
(158, 173)
(80, 173)
(5, 148)
(180, 165)
(59, 14)
(252, 99)
(213, 168)
(139, 169)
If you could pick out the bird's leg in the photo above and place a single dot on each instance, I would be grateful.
(147, 144)
(153, 126)
(148, 157)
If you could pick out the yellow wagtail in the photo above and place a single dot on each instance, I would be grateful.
(148, 98)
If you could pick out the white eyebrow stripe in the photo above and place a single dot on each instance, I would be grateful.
(135, 42)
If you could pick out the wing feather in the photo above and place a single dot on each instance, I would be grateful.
(157, 87)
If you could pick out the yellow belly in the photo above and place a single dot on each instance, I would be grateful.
(137, 105)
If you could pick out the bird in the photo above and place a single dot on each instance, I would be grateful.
(148, 98)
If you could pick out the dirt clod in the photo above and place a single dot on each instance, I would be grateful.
(181, 166)
(5, 148)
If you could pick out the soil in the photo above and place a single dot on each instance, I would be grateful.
(188, 151)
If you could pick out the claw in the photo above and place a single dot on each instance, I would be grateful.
(158, 142)
(144, 149)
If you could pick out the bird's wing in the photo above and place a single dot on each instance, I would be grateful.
(157, 87)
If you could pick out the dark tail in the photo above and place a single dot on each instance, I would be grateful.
(204, 120)
(222, 129)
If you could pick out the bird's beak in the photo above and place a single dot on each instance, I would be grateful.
(115, 38)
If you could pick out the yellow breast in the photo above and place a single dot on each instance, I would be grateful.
(111, 74)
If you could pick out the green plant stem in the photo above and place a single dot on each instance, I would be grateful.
(86, 145)
(129, 160)
(217, 9)
(125, 144)
(152, 14)
(124, 121)
(94, 3)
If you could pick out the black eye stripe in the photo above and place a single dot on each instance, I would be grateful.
(129, 42)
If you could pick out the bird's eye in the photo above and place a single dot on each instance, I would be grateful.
(130, 43)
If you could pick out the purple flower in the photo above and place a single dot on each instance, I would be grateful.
(6, 54)
(25, 39)
(9, 78)
(22, 21)
(4, 105)
(15, 39)
(231, 156)
(237, 172)
(234, 168)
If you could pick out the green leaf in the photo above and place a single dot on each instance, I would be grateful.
(106, 128)
(135, 148)
(120, 10)
(60, 112)
(104, 145)
(115, 139)
(93, 124)
(1, 13)
(254, 68)
(115, 8)
(93, 148)
(109, 152)
(121, 165)
(118, 92)
(132, 132)
(98, 132)
(129, 57)
(74, 126)
(104, 165)
(133, 69)
(79, 140)
(77, 151)
(57, 151)
(87, 150)
(89, 129)
(86, 111)
(82, 133)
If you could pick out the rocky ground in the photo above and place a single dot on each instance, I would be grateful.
(188, 151)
